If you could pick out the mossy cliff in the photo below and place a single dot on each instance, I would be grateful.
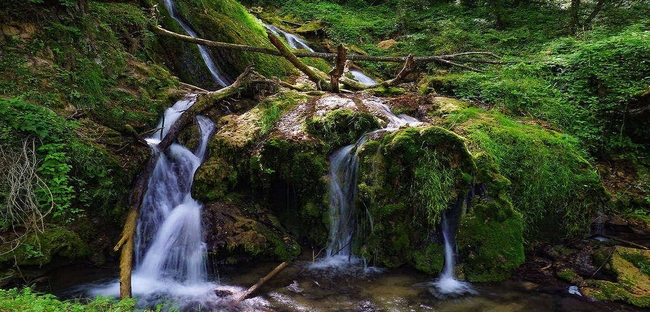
(224, 21)
(275, 154)
(77, 86)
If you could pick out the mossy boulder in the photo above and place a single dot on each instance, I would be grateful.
(341, 127)
(407, 180)
(554, 187)
(632, 270)
(38, 252)
(240, 230)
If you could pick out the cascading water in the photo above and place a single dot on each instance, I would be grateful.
(362, 78)
(344, 165)
(169, 247)
(293, 40)
(447, 285)
(205, 55)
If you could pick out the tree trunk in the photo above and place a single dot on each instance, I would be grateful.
(339, 67)
(573, 11)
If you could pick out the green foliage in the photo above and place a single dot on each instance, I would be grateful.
(557, 190)
(29, 301)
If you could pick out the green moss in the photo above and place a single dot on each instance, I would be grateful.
(40, 249)
(431, 259)
(290, 176)
(546, 168)
(406, 181)
(341, 127)
(568, 275)
(632, 284)
(235, 25)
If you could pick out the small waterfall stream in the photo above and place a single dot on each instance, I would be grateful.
(216, 74)
(293, 40)
(447, 285)
(169, 250)
(362, 78)
(344, 165)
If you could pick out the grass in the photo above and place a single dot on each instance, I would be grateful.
(29, 301)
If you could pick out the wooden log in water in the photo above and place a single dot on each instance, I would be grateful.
(261, 282)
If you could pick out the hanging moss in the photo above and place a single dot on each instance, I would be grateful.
(406, 181)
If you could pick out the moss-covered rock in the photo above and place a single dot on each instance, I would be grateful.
(554, 187)
(632, 270)
(240, 230)
(407, 180)
(38, 252)
(341, 127)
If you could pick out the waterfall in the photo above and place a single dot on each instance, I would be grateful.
(447, 285)
(293, 40)
(217, 76)
(169, 251)
(344, 166)
(362, 78)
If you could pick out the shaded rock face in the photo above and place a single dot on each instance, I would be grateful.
(274, 158)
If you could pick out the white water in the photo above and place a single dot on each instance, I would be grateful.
(447, 285)
(362, 78)
(344, 165)
(293, 40)
(205, 55)
(169, 250)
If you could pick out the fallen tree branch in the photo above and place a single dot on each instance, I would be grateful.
(193, 87)
(126, 242)
(260, 283)
(460, 65)
(326, 56)
(408, 65)
(321, 83)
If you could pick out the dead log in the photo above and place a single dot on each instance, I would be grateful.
(332, 56)
(408, 65)
(321, 83)
(126, 242)
(339, 68)
(260, 283)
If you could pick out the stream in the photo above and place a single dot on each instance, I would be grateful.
(301, 288)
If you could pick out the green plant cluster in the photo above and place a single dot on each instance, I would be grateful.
(29, 301)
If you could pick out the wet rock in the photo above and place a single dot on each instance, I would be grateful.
(294, 287)
(632, 270)
(366, 306)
